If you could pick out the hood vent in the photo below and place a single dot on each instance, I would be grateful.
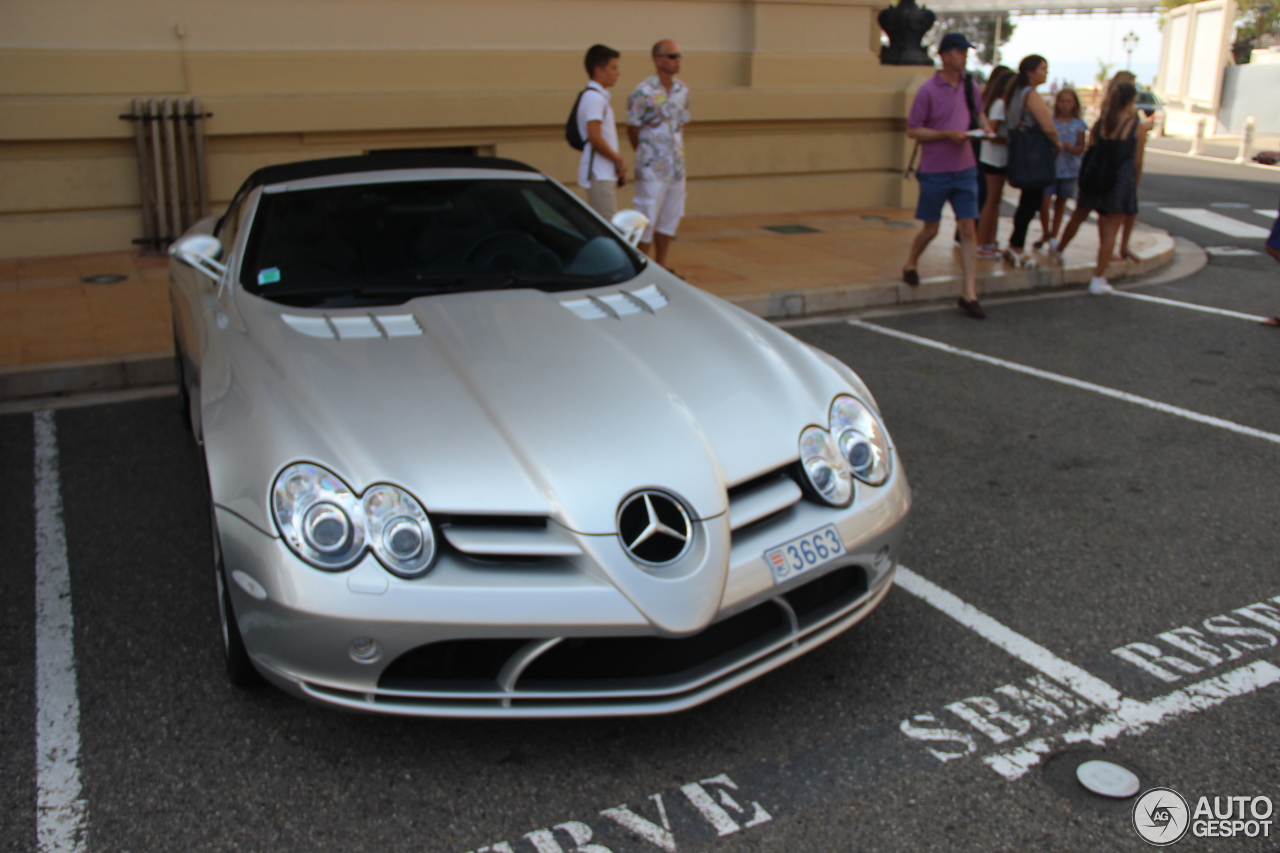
(354, 326)
(618, 305)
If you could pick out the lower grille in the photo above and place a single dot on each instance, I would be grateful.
(609, 669)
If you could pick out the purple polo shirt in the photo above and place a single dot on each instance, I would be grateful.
(941, 106)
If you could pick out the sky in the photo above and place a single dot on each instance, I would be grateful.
(1073, 44)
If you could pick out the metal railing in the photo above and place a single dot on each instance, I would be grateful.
(173, 174)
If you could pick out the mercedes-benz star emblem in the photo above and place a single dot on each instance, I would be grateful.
(655, 528)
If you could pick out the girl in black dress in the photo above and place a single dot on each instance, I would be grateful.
(1120, 140)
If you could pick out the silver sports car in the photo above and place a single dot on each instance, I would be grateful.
(470, 454)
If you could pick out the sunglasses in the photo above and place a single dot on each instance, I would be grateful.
(671, 55)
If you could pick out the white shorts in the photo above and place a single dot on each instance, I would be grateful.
(663, 203)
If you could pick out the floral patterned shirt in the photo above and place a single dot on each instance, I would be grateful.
(661, 118)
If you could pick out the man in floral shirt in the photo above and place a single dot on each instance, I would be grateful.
(657, 112)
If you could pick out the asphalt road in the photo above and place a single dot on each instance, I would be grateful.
(1076, 522)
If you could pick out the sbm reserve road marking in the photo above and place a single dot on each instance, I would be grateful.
(61, 820)
(1017, 710)
(1074, 383)
(1060, 692)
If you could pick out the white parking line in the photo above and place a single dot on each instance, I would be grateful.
(1216, 222)
(1269, 214)
(1254, 318)
(1026, 650)
(1075, 383)
(61, 811)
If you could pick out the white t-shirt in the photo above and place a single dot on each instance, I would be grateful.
(995, 153)
(594, 106)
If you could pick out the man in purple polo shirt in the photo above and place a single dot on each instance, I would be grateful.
(940, 120)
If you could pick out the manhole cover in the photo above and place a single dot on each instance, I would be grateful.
(1108, 779)
(791, 229)
(1094, 779)
(104, 278)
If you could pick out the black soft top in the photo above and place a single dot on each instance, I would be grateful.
(377, 162)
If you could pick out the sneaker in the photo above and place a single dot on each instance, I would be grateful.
(1098, 286)
(1054, 251)
(988, 252)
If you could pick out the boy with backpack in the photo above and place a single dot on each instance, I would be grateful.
(592, 129)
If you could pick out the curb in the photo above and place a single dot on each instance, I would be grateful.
(112, 373)
(150, 370)
(791, 304)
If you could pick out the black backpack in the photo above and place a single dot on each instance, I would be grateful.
(575, 139)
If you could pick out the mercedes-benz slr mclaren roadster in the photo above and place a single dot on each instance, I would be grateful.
(470, 454)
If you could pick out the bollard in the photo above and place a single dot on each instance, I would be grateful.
(1246, 139)
(1197, 143)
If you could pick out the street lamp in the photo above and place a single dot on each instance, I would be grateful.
(1130, 43)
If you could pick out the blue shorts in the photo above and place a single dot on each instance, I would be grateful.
(1062, 188)
(937, 188)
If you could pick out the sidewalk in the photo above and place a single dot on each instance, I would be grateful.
(62, 333)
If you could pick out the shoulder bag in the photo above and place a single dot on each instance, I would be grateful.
(1032, 157)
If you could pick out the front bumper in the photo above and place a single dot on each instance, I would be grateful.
(299, 623)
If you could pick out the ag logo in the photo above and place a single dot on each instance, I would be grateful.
(1161, 817)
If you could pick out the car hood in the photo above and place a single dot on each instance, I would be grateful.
(512, 402)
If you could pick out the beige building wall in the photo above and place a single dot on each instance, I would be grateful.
(791, 108)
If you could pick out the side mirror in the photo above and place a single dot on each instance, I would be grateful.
(200, 251)
(630, 224)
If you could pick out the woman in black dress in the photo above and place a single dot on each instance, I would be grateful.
(1120, 139)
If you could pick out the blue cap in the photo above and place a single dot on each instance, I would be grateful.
(953, 41)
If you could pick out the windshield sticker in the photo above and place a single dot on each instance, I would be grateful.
(269, 276)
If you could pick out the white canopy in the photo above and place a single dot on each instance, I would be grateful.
(953, 7)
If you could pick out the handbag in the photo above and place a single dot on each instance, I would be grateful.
(1098, 168)
(1033, 159)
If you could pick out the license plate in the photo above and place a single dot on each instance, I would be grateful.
(804, 553)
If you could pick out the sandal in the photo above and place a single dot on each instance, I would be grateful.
(911, 277)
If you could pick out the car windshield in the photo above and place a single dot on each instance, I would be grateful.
(384, 243)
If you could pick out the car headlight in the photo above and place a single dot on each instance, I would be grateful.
(318, 516)
(863, 442)
(824, 468)
(399, 531)
(326, 525)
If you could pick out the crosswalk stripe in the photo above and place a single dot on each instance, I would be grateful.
(1269, 214)
(1216, 222)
